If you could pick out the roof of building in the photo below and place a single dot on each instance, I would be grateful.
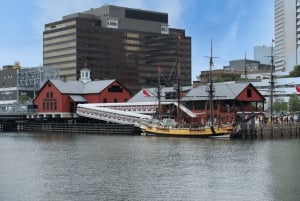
(78, 87)
(78, 98)
(142, 96)
(223, 91)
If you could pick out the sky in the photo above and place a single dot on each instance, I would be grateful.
(233, 26)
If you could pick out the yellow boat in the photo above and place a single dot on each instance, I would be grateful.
(204, 132)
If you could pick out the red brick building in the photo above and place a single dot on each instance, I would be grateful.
(58, 99)
(228, 99)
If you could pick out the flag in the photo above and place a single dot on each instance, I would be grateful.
(298, 88)
(146, 93)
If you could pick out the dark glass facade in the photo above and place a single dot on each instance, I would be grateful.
(131, 56)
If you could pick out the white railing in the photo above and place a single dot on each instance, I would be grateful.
(111, 115)
(124, 113)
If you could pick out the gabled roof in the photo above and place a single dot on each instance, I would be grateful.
(223, 91)
(78, 98)
(78, 87)
(141, 97)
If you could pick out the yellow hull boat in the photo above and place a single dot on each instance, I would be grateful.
(204, 132)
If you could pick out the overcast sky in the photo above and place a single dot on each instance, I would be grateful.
(235, 26)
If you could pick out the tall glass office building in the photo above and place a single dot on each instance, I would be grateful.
(118, 43)
(287, 34)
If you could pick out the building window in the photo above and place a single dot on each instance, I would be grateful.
(164, 29)
(104, 100)
(115, 100)
(115, 88)
(47, 95)
(249, 93)
(112, 23)
(51, 94)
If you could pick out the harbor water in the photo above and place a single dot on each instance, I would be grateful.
(77, 167)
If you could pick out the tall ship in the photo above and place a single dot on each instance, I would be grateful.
(175, 128)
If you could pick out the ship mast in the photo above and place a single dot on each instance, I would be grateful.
(178, 80)
(211, 89)
(158, 93)
(245, 68)
(272, 83)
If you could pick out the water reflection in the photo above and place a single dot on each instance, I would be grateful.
(95, 167)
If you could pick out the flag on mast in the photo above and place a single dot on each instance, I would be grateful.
(146, 93)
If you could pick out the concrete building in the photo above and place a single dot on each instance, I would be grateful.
(287, 34)
(20, 84)
(8, 85)
(117, 43)
(263, 54)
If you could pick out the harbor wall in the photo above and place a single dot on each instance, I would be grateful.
(271, 130)
(85, 128)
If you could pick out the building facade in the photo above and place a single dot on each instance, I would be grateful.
(117, 43)
(263, 54)
(287, 34)
(58, 99)
(228, 99)
(8, 87)
(19, 85)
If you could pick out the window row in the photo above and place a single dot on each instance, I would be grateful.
(49, 105)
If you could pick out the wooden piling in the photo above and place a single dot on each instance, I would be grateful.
(270, 131)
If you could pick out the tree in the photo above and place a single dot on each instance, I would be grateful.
(294, 103)
(23, 99)
(295, 72)
(279, 106)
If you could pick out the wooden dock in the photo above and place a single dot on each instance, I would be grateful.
(283, 130)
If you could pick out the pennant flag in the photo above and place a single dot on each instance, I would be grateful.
(298, 88)
(146, 93)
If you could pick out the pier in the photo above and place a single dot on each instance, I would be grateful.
(85, 128)
(284, 130)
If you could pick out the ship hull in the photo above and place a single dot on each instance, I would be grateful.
(190, 132)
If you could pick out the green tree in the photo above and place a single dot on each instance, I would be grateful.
(295, 72)
(225, 78)
(294, 103)
(23, 99)
(279, 106)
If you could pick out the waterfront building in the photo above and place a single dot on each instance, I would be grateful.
(58, 99)
(287, 34)
(19, 85)
(8, 86)
(117, 43)
(229, 98)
